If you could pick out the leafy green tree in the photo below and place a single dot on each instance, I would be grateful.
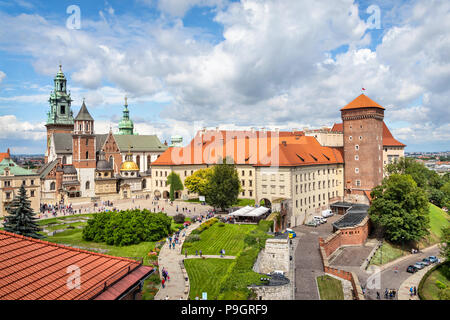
(21, 219)
(410, 166)
(446, 191)
(224, 186)
(437, 197)
(175, 183)
(198, 182)
(400, 207)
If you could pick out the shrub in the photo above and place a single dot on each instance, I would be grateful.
(221, 224)
(127, 227)
(193, 238)
(440, 285)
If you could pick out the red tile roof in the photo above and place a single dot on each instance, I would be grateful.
(4, 155)
(32, 269)
(284, 148)
(362, 101)
(388, 138)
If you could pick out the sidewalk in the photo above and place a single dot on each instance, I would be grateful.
(172, 261)
(412, 281)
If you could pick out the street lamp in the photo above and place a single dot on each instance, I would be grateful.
(403, 249)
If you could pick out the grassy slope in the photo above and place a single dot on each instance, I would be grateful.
(429, 290)
(438, 220)
(229, 237)
(206, 275)
(330, 288)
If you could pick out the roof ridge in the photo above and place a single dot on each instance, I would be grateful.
(63, 246)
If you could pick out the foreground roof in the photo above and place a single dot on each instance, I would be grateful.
(33, 269)
(253, 148)
(139, 143)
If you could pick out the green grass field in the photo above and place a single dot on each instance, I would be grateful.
(430, 290)
(438, 220)
(206, 275)
(229, 237)
(330, 288)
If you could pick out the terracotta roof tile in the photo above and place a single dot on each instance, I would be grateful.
(257, 148)
(362, 101)
(33, 269)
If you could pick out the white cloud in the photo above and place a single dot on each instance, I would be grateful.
(12, 128)
(2, 76)
(273, 67)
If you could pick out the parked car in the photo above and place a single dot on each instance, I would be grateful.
(433, 259)
(312, 223)
(426, 261)
(419, 265)
(320, 219)
(411, 269)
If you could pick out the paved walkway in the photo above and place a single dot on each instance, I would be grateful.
(172, 260)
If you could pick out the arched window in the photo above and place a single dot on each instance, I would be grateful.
(144, 183)
(88, 185)
(111, 161)
(52, 186)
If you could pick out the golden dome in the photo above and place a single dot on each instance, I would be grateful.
(129, 166)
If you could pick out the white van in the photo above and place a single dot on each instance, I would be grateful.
(327, 213)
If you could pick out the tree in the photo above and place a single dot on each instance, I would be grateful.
(400, 207)
(198, 182)
(410, 166)
(175, 183)
(224, 186)
(445, 251)
(446, 192)
(21, 219)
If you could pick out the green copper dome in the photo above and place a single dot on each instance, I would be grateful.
(126, 125)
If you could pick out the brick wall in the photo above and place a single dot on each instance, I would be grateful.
(346, 237)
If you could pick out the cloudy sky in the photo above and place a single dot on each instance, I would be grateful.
(188, 64)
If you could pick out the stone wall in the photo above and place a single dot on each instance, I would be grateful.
(273, 292)
(275, 256)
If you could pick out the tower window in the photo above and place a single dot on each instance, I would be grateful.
(87, 154)
(88, 185)
(356, 170)
(350, 138)
(63, 110)
(87, 142)
(358, 183)
(356, 157)
(356, 147)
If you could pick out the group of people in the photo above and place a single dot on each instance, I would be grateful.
(413, 291)
(55, 209)
(165, 277)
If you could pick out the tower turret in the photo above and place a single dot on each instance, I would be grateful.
(126, 125)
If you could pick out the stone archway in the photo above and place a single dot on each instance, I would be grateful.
(266, 203)
(166, 195)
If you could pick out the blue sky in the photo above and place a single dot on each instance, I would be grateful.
(234, 64)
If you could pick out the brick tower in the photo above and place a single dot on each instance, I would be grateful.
(363, 147)
(84, 151)
(60, 115)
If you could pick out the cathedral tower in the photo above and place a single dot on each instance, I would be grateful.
(126, 125)
(60, 115)
(84, 151)
(363, 147)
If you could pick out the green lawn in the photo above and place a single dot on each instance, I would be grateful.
(330, 288)
(430, 290)
(74, 238)
(438, 220)
(206, 275)
(229, 237)
(388, 252)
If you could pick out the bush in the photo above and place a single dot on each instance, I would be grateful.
(440, 285)
(221, 224)
(193, 238)
(127, 227)
(179, 218)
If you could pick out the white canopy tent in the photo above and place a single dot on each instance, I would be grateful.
(249, 212)
(241, 211)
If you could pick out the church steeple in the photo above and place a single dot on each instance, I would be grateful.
(60, 102)
(126, 125)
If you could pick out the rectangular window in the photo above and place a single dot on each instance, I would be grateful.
(243, 173)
